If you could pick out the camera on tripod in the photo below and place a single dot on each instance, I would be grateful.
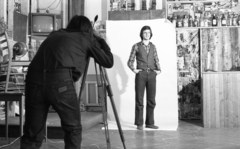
(103, 82)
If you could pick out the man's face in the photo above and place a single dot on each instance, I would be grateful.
(146, 34)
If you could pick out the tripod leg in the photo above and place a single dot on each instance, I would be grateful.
(104, 111)
(84, 79)
(110, 94)
(102, 100)
(105, 123)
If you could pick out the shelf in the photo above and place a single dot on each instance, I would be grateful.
(217, 27)
(170, 2)
(221, 72)
(137, 14)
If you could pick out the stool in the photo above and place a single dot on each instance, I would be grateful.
(13, 97)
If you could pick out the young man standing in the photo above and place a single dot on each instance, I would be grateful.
(148, 68)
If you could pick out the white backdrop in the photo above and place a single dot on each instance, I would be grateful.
(121, 35)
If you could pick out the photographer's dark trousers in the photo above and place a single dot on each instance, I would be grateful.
(56, 89)
(145, 80)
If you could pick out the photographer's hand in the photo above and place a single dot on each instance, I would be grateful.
(97, 35)
(136, 70)
(157, 71)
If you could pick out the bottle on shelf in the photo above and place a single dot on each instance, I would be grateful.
(205, 18)
(234, 19)
(224, 21)
(219, 20)
(144, 5)
(229, 19)
(214, 20)
(185, 21)
(179, 21)
(238, 20)
(124, 5)
(190, 21)
(196, 22)
(201, 21)
(169, 18)
(154, 3)
(174, 20)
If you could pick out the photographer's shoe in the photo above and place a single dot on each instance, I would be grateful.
(140, 127)
(152, 126)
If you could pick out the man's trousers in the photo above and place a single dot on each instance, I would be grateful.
(145, 80)
(54, 89)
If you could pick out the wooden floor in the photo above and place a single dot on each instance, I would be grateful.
(190, 135)
(54, 130)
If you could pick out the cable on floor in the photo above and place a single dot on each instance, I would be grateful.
(9, 143)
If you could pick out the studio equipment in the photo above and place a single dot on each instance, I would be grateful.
(19, 50)
(104, 84)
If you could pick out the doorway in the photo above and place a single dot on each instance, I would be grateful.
(189, 82)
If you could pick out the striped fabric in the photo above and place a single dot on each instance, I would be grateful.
(15, 81)
(3, 47)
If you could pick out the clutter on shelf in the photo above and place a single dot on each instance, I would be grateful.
(204, 13)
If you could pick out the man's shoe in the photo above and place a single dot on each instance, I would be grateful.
(140, 127)
(152, 126)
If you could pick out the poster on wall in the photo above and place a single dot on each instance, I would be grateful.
(188, 53)
(188, 63)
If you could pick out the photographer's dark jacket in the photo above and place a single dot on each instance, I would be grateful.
(69, 49)
(146, 57)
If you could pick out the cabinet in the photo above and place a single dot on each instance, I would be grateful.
(195, 48)
(221, 102)
(220, 77)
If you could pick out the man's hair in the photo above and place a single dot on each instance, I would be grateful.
(80, 23)
(145, 28)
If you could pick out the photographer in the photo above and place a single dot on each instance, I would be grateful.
(59, 62)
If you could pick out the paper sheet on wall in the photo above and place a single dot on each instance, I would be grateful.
(121, 35)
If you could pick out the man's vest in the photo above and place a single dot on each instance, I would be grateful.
(145, 60)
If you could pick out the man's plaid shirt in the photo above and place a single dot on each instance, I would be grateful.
(135, 50)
